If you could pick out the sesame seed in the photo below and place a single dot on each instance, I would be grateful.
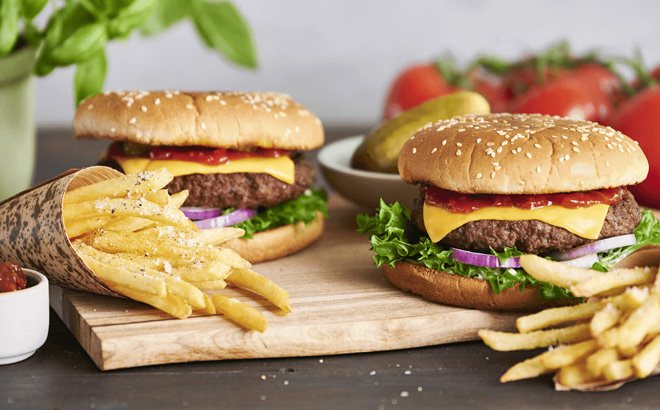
(513, 151)
(478, 140)
(575, 143)
(499, 150)
(609, 145)
(222, 102)
(132, 121)
(492, 175)
(414, 151)
(528, 155)
(434, 150)
(458, 144)
(538, 145)
(521, 182)
(458, 152)
(576, 149)
(144, 108)
(209, 98)
(490, 144)
(113, 130)
(538, 169)
(202, 125)
(90, 106)
(607, 163)
(504, 143)
(157, 102)
(461, 129)
(479, 175)
(444, 142)
(189, 106)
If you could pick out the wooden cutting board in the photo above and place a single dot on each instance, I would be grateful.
(341, 304)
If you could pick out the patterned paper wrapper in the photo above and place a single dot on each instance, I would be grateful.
(32, 231)
(644, 256)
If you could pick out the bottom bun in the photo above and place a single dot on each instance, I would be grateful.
(461, 291)
(278, 242)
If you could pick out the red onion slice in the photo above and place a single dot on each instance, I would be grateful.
(196, 213)
(484, 259)
(595, 247)
(229, 219)
(585, 261)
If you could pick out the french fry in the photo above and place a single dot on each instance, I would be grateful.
(160, 197)
(604, 319)
(618, 370)
(127, 276)
(504, 341)
(177, 200)
(647, 359)
(615, 278)
(525, 370)
(169, 303)
(210, 284)
(129, 224)
(132, 184)
(556, 273)
(239, 312)
(262, 286)
(597, 361)
(575, 375)
(130, 207)
(82, 226)
(557, 316)
(209, 306)
(217, 236)
(568, 354)
(193, 296)
(639, 323)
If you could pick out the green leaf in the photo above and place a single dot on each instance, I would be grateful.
(90, 76)
(131, 17)
(9, 13)
(302, 208)
(31, 33)
(222, 28)
(31, 8)
(84, 43)
(166, 14)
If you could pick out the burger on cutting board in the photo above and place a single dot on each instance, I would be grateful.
(237, 153)
(496, 186)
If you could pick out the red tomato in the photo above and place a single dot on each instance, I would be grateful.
(564, 97)
(639, 118)
(524, 78)
(413, 86)
(491, 86)
(601, 84)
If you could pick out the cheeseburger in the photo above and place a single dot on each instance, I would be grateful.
(496, 186)
(238, 154)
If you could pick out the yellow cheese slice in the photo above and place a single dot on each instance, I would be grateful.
(281, 168)
(585, 222)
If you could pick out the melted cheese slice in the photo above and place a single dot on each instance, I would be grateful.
(281, 168)
(584, 222)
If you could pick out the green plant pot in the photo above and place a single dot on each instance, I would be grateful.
(17, 129)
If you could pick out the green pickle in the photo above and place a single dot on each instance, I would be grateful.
(380, 149)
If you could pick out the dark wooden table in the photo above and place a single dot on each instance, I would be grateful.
(463, 375)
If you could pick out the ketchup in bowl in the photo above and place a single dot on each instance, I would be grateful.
(12, 277)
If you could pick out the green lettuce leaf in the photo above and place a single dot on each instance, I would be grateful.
(302, 208)
(394, 239)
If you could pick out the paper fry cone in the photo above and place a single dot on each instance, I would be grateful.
(32, 231)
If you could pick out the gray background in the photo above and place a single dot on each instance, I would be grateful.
(337, 57)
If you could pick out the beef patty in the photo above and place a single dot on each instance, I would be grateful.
(533, 236)
(241, 189)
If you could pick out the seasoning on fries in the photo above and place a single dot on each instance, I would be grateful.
(612, 338)
(131, 234)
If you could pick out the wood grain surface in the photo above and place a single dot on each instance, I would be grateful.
(341, 304)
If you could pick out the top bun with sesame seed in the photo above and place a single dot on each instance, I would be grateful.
(496, 186)
(209, 119)
(521, 154)
(228, 150)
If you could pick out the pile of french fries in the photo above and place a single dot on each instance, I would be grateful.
(131, 234)
(612, 338)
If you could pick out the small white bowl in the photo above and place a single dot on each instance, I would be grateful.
(362, 187)
(24, 319)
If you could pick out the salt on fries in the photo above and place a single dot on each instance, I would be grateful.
(612, 338)
(131, 234)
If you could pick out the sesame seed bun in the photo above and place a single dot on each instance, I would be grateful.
(520, 154)
(214, 119)
(278, 242)
(461, 291)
